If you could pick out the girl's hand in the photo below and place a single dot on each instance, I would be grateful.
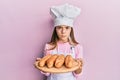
(81, 61)
(79, 70)
(37, 59)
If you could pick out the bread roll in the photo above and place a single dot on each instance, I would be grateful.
(68, 61)
(51, 60)
(59, 61)
(43, 60)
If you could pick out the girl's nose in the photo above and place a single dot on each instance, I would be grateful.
(63, 30)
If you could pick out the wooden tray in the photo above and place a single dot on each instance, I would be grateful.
(63, 69)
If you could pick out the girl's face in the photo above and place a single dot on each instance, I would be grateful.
(63, 32)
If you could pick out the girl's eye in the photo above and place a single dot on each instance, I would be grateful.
(59, 27)
(67, 27)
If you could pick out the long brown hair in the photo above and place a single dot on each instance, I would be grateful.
(55, 38)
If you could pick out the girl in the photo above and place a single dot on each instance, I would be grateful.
(63, 41)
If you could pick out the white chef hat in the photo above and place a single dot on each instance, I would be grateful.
(64, 14)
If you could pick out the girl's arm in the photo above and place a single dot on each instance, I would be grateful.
(46, 51)
(79, 57)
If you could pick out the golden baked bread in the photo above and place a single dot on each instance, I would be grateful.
(69, 61)
(51, 60)
(56, 61)
(44, 59)
(59, 61)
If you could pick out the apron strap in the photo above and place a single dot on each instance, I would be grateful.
(73, 51)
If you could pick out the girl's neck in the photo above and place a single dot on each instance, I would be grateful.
(61, 41)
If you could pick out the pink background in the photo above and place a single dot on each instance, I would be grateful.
(25, 26)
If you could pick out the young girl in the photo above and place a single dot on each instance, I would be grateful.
(63, 41)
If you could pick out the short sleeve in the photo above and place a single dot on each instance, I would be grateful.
(79, 51)
(46, 49)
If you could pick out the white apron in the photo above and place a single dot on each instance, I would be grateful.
(63, 76)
